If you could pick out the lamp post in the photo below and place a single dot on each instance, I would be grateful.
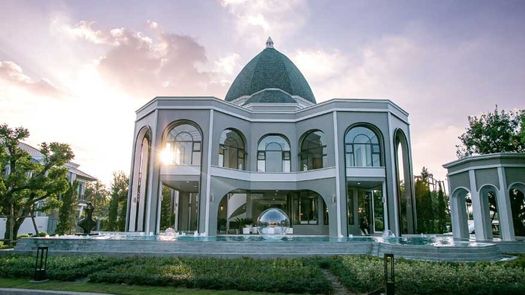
(389, 274)
(41, 264)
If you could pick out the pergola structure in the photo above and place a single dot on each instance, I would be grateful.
(489, 189)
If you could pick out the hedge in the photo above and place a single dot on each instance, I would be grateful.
(244, 274)
(365, 274)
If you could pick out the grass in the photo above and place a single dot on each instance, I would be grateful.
(82, 286)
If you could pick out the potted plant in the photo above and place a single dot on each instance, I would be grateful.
(245, 224)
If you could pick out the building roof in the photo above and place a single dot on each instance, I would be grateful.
(270, 96)
(71, 166)
(270, 69)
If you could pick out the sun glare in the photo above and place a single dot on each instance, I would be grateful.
(166, 155)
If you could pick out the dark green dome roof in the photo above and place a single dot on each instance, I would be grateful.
(270, 69)
(270, 96)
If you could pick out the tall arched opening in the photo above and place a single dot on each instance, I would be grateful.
(517, 204)
(139, 187)
(405, 200)
(489, 211)
(365, 197)
(181, 165)
(461, 213)
(238, 211)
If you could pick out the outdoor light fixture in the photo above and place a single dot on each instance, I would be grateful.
(41, 264)
(389, 274)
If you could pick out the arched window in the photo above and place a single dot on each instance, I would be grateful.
(362, 148)
(313, 151)
(183, 146)
(273, 154)
(231, 150)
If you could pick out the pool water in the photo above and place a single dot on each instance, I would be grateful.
(422, 240)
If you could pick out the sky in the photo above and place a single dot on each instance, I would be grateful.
(76, 71)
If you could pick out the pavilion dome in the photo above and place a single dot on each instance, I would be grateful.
(270, 69)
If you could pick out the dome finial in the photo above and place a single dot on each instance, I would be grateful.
(269, 43)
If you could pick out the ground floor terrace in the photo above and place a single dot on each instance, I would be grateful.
(315, 211)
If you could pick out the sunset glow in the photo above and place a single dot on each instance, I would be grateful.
(75, 72)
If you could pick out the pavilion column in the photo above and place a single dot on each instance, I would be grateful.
(458, 217)
(479, 226)
(454, 213)
(504, 209)
(485, 213)
(153, 182)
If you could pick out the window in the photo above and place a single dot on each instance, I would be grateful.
(305, 205)
(231, 150)
(313, 151)
(273, 154)
(362, 148)
(80, 191)
(183, 146)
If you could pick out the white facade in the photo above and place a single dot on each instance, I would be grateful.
(334, 167)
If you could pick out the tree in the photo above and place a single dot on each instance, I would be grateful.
(496, 132)
(425, 212)
(97, 194)
(442, 212)
(25, 182)
(167, 216)
(66, 212)
(118, 202)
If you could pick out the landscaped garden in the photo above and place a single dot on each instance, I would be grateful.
(359, 274)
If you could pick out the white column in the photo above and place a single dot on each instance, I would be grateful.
(337, 177)
(373, 221)
(454, 213)
(385, 207)
(485, 211)
(506, 224)
(208, 176)
(159, 209)
(176, 209)
(395, 228)
(481, 234)
(153, 176)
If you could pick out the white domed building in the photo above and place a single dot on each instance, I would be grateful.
(212, 166)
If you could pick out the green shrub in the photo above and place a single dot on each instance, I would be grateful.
(365, 274)
(64, 268)
(272, 275)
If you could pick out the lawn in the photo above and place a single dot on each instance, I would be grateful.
(81, 286)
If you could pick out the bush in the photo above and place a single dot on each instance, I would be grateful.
(64, 268)
(365, 274)
(272, 275)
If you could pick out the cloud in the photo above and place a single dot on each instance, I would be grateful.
(12, 74)
(256, 20)
(438, 83)
(319, 65)
(153, 63)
